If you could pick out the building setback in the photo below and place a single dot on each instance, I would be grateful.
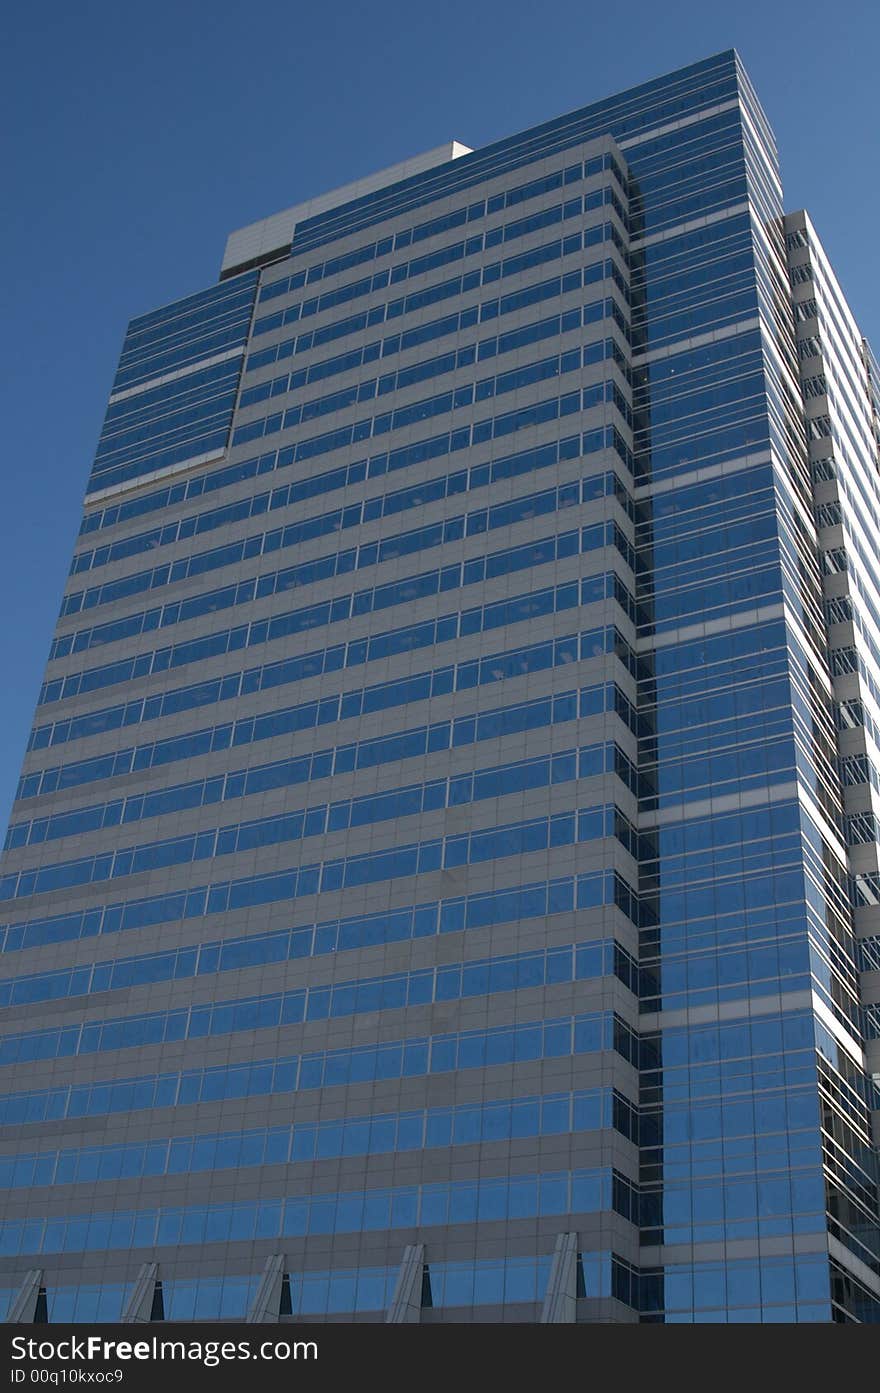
(443, 882)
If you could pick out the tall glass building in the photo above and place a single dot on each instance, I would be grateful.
(443, 883)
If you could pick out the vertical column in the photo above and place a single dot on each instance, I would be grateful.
(139, 1306)
(266, 1305)
(29, 1306)
(406, 1303)
(560, 1299)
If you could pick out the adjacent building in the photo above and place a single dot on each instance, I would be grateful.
(443, 882)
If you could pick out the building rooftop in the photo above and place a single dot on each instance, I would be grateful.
(261, 239)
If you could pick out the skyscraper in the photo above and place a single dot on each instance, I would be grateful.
(443, 882)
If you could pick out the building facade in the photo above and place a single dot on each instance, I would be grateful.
(443, 882)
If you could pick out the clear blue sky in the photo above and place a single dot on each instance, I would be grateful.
(137, 136)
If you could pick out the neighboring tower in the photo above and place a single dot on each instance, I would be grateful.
(431, 892)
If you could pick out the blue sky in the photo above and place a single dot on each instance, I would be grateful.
(137, 136)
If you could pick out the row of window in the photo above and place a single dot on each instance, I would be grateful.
(453, 1285)
(168, 400)
(574, 962)
(456, 251)
(747, 1206)
(736, 770)
(462, 1201)
(772, 1289)
(165, 423)
(457, 575)
(368, 389)
(731, 307)
(557, 1038)
(593, 312)
(197, 442)
(770, 838)
(720, 585)
(320, 819)
(401, 417)
(723, 978)
(510, 198)
(485, 311)
(758, 710)
(335, 707)
(351, 1290)
(450, 1284)
(449, 1202)
(698, 1062)
(794, 970)
(683, 518)
(473, 523)
(554, 1114)
(648, 107)
(187, 332)
(719, 911)
(355, 653)
(549, 502)
(363, 754)
(698, 198)
(454, 915)
(679, 383)
(512, 839)
(727, 1131)
(399, 500)
(174, 413)
(692, 537)
(736, 972)
(750, 953)
(227, 475)
(697, 256)
(732, 434)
